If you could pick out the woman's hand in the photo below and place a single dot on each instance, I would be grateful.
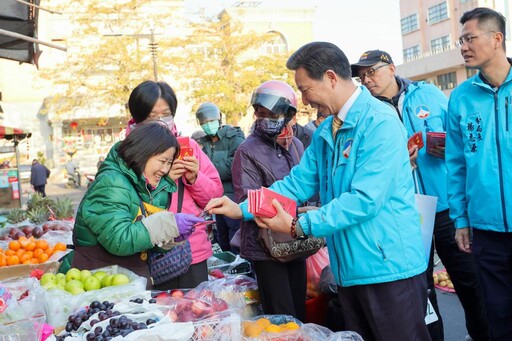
(177, 170)
(191, 166)
(437, 151)
(224, 206)
(186, 224)
(413, 155)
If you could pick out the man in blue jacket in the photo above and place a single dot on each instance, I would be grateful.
(478, 157)
(358, 162)
(39, 175)
(422, 108)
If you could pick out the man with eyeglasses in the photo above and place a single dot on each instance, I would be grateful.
(478, 156)
(422, 107)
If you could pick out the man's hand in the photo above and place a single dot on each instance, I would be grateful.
(281, 222)
(413, 155)
(462, 239)
(224, 206)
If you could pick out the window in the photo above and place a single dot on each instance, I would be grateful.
(411, 53)
(276, 46)
(471, 72)
(446, 81)
(409, 24)
(440, 43)
(465, 1)
(437, 13)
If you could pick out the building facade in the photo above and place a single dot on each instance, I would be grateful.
(429, 31)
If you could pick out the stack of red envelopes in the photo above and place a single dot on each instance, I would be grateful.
(260, 203)
(185, 149)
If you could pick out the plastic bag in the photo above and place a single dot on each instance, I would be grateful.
(59, 304)
(314, 266)
(272, 327)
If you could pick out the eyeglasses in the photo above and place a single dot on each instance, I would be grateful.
(370, 72)
(164, 117)
(469, 39)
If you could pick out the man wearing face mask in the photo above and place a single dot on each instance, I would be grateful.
(220, 145)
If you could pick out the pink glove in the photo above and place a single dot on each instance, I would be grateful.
(186, 224)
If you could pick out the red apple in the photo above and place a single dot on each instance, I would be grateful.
(186, 316)
(37, 232)
(216, 273)
(172, 315)
(219, 304)
(176, 293)
(200, 308)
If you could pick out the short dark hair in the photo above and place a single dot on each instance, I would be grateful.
(143, 98)
(318, 57)
(145, 141)
(493, 20)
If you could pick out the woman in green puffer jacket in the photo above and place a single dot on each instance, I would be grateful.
(136, 170)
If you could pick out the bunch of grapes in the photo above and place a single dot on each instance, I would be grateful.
(104, 311)
(121, 326)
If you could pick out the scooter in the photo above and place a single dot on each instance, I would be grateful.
(74, 180)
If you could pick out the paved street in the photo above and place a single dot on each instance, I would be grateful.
(451, 309)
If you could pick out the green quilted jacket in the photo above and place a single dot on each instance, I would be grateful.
(107, 211)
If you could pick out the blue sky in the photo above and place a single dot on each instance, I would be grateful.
(354, 25)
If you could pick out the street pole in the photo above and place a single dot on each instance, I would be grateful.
(153, 48)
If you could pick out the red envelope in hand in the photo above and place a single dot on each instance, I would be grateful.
(185, 151)
(184, 141)
(415, 139)
(262, 204)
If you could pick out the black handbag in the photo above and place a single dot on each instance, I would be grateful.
(283, 248)
(164, 266)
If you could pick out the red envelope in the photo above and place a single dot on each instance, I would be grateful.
(415, 139)
(261, 204)
(184, 141)
(434, 140)
(185, 151)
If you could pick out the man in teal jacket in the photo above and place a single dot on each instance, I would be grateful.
(369, 217)
(478, 156)
(422, 108)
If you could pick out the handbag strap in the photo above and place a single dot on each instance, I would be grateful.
(181, 191)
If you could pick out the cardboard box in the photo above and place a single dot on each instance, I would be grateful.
(24, 270)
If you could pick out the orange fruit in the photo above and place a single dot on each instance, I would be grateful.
(10, 252)
(49, 251)
(37, 252)
(60, 247)
(30, 253)
(43, 257)
(42, 244)
(34, 260)
(28, 261)
(24, 257)
(13, 260)
(3, 262)
(32, 239)
(23, 241)
(14, 245)
(30, 246)
(20, 252)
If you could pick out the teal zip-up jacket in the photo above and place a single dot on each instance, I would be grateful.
(479, 155)
(424, 109)
(369, 219)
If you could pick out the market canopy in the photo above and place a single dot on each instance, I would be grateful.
(10, 133)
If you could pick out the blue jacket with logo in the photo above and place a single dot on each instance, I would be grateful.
(369, 218)
(479, 154)
(424, 109)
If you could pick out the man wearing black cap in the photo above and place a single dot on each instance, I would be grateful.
(422, 107)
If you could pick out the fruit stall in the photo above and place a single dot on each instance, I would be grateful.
(112, 303)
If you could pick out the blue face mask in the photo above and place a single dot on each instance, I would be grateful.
(270, 127)
(211, 128)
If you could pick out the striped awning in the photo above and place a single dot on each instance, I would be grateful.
(10, 133)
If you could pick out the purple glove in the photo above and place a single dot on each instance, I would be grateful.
(186, 224)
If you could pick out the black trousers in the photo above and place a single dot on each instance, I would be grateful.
(40, 189)
(282, 287)
(387, 311)
(493, 254)
(461, 267)
(226, 229)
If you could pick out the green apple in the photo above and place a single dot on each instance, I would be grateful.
(91, 283)
(105, 281)
(74, 283)
(76, 291)
(61, 280)
(73, 274)
(47, 278)
(84, 274)
(119, 279)
(60, 277)
(50, 285)
(61, 286)
(99, 274)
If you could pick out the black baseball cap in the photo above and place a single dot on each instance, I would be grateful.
(370, 58)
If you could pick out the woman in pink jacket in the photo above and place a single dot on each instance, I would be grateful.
(196, 174)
